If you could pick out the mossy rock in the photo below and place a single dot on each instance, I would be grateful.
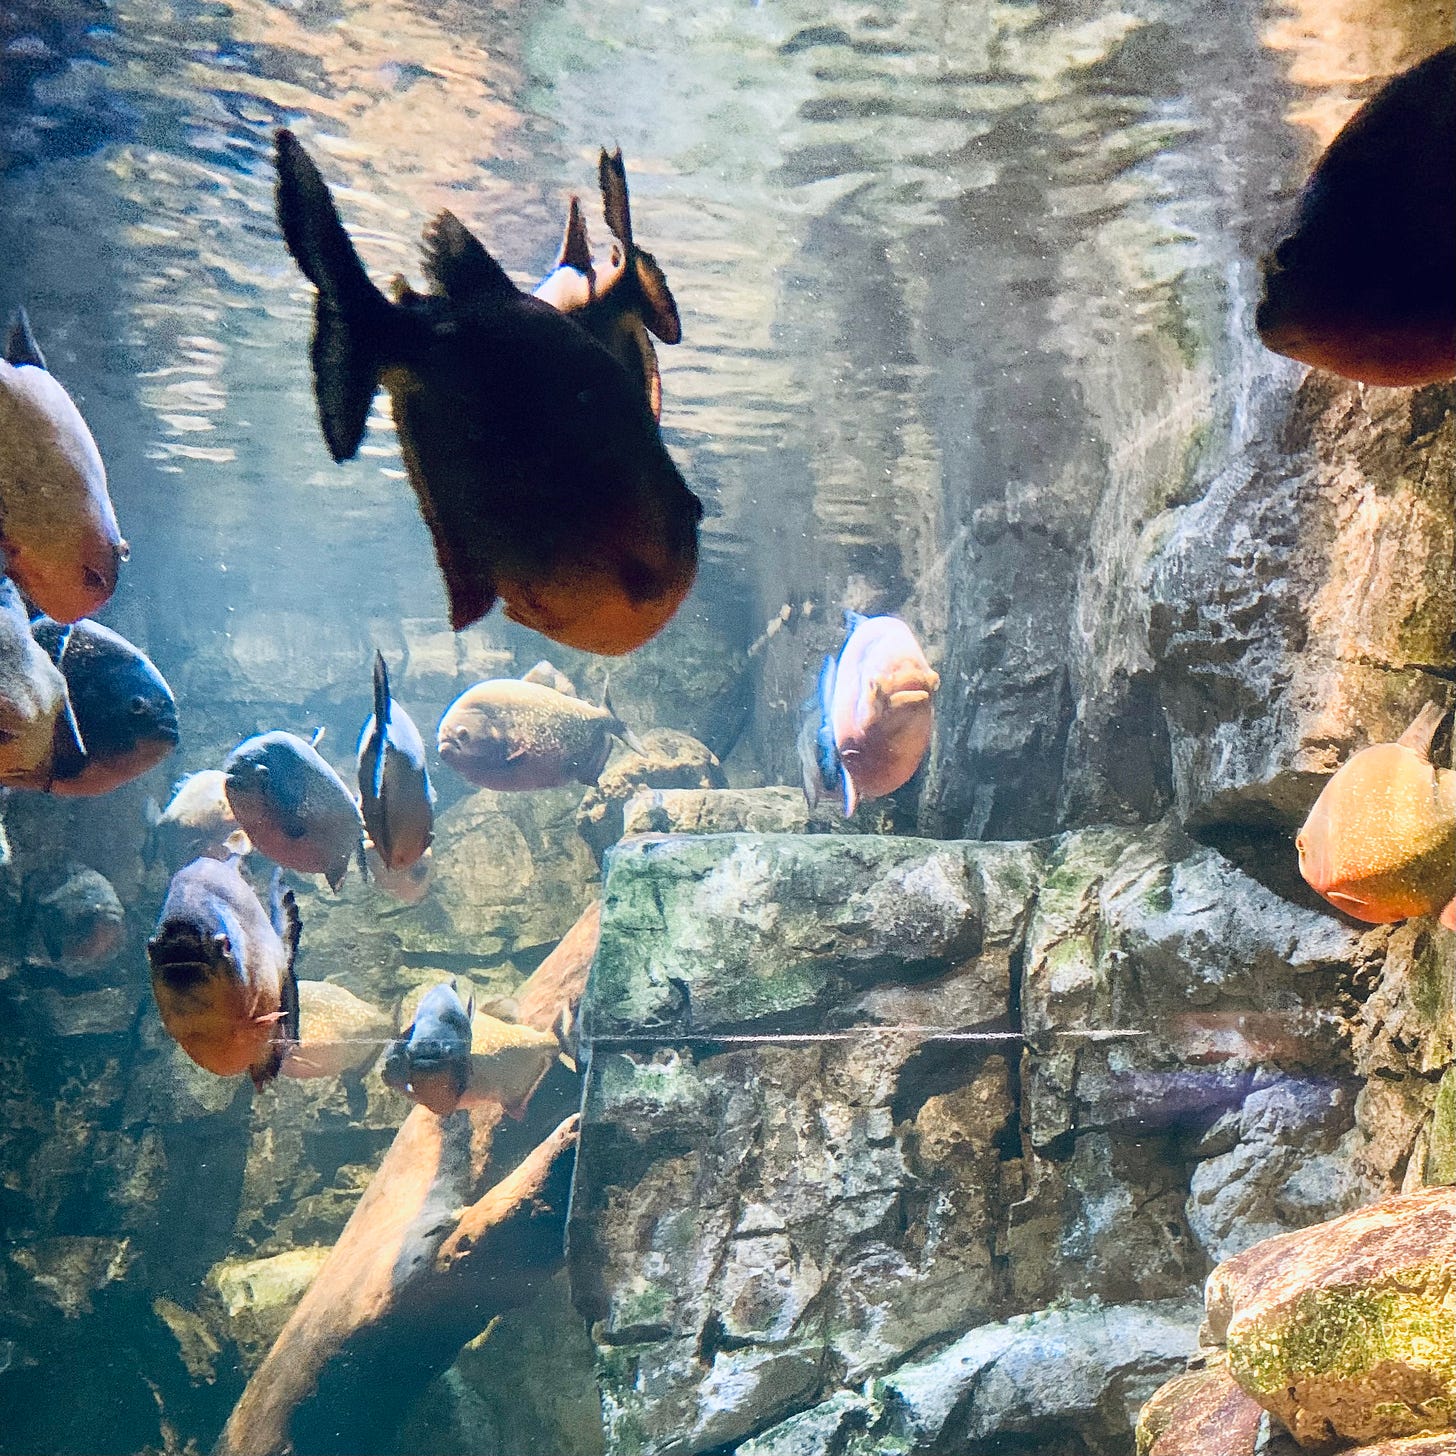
(1347, 1331)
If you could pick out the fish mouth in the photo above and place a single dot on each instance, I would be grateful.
(909, 697)
(179, 955)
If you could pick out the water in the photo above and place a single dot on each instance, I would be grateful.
(965, 293)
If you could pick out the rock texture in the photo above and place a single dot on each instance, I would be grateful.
(1347, 1331)
(763, 1013)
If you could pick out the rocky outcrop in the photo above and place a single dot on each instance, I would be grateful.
(986, 1053)
(1347, 1331)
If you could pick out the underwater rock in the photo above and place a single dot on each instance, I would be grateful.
(510, 873)
(1083, 1365)
(1287, 1171)
(774, 810)
(254, 1297)
(1202, 1412)
(1344, 1331)
(69, 1270)
(670, 760)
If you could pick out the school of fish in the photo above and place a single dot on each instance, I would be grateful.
(528, 422)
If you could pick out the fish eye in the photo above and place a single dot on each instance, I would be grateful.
(138, 705)
(123, 551)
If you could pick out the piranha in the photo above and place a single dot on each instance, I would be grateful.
(620, 300)
(125, 715)
(33, 701)
(537, 463)
(872, 716)
(59, 541)
(430, 1060)
(338, 1032)
(223, 970)
(513, 734)
(1365, 285)
(81, 920)
(395, 794)
(1380, 842)
(293, 806)
(197, 820)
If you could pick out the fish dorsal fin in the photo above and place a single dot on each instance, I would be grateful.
(545, 674)
(381, 721)
(660, 311)
(612, 175)
(618, 727)
(317, 736)
(289, 924)
(457, 263)
(1423, 729)
(20, 346)
(575, 245)
(852, 619)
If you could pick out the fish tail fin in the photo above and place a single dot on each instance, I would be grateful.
(238, 845)
(351, 314)
(20, 344)
(619, 728)
(151, 816)
(1422, 732)
(381, 722)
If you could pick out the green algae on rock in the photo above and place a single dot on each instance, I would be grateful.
(1347, 1331)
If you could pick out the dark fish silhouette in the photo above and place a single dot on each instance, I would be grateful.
(58, 535)
(125, 718)
(1365, 285)
(223, 970)
(621, 299)
(430, 1060)
(537, 463)
(80, 920)
(395, 794)
(293, 806)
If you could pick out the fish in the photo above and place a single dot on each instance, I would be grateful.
(395, 794)
(223, 969)
(623, 299)
(293, 807)
(1380, 841)
(1365, 283)
(59, 540)
(511, 734)
(339, 1032)
(81, 920)
(430, 1060)
(876, 698)
(125, 717)
(818, 756)
(33, 698)
(507, 1063)
(197, 820)
(537, 464)
(409, 885)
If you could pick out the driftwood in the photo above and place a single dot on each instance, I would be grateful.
(430, 1256)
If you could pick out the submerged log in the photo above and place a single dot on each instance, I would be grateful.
(429, 1257)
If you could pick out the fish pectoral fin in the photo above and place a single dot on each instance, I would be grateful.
(457, 263)
(20, 346)
(516, 754)
(660, 315)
